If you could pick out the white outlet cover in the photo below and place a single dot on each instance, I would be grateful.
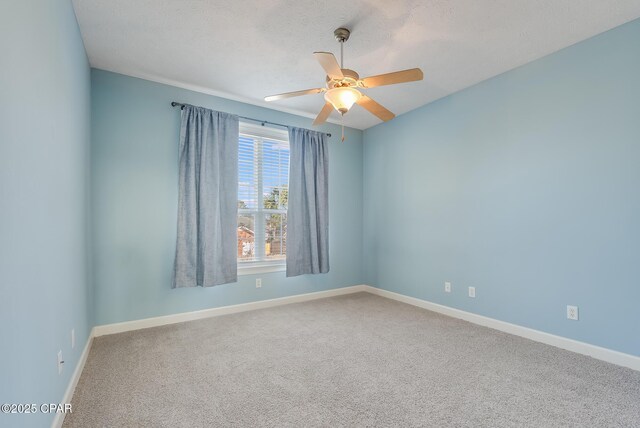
(258, 282)
(73, 338)
(472, 291)
(447, 287)
(572, 312)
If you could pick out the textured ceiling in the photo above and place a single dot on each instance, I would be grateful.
(245, 50)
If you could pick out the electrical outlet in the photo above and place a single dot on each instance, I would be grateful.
(572, 312)
(258, 282)
(447, 287)
(60, 362)
(472, 291)
(73, 338)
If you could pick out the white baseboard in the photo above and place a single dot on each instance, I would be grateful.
(75, 377)
(121, 327)
(604, 354)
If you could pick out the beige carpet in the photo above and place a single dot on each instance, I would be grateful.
(355, 360)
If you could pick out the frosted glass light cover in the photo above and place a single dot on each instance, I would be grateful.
(342, 99)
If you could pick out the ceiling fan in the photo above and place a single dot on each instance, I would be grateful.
(342, 87)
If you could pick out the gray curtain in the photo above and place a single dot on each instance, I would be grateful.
(308, 210)
(206, 249)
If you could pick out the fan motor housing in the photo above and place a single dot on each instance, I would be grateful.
(350, 79)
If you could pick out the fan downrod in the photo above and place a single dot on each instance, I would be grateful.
(342, 34)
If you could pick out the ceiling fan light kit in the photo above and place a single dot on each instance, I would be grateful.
(343, 85)
(342, 98)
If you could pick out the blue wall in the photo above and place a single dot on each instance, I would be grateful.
(134, 180)
(524, 186)
(44, 155)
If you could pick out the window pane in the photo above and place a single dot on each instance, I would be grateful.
(246, 237)
(277, 198)
(247, 174)
(275, 173)
(275, 236)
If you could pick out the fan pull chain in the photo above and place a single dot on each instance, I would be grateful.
(343, 127)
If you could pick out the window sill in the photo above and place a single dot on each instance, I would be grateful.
(261, 268)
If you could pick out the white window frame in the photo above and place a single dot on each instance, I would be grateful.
(261, 266)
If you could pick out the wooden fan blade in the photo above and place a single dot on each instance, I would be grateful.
(293, 94)
(403, 76)
(323, 115)
(375, 108)
(330, 64)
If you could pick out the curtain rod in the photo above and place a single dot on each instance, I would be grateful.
(263, 122)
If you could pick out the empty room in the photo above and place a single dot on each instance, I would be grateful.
(365, 213)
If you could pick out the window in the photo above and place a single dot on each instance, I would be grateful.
(263, 184)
